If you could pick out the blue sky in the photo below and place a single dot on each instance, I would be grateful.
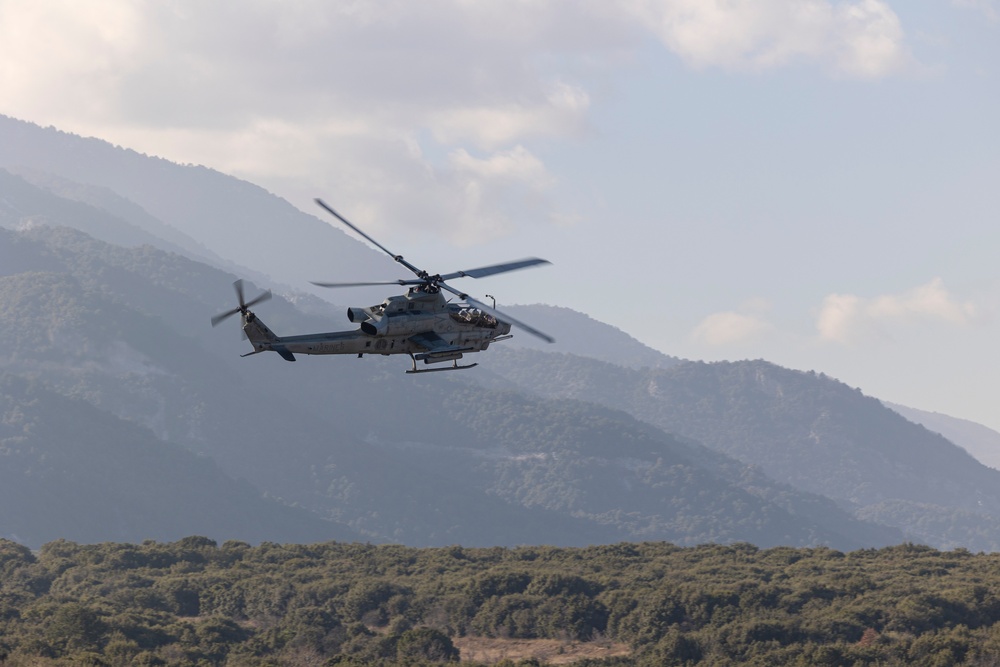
(812, 182)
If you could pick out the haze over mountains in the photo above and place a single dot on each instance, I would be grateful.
(124, 416)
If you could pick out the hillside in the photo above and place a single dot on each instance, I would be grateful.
(84, 342)
(221, 215)
(582, 335)
(73, 472)
(792, 457)
(804, 429)
(96, 211)
(980, 441)
(418, 460)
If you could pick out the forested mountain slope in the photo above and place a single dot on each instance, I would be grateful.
(423, 460)
(580, 334)
(72, 471)
(233, 219)
(127, 331)
(34, 198)
(980, 441)
(83, 341)
(802, 428)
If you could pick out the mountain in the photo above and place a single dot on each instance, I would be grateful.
(224, 216)
(530, 447)
(102, 214)
(76, 332)
(421, 460)
(802, 428)
(604, 466)
(980, 441)
(582, 335)
(97, 211)
(72, 471)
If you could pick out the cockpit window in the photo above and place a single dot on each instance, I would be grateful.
(475, 317)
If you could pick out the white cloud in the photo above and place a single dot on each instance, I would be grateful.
(61, 53)
(387, 101)
(987, 8)
(493, 189)
(868, 40)
(561, 112)
(861, 38)
(847, 318)
(513, 165)
(839, 317)
(734, 327)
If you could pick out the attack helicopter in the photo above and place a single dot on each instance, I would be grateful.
(422, 323)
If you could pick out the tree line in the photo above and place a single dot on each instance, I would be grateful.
(194, 602)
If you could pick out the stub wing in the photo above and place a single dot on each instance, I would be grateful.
(435, 345)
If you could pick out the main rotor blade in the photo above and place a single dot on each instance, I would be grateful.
(497, 314)
(398, 258)
(389, 282)
(484, 271)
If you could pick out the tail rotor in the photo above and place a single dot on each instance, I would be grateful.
(244, 306)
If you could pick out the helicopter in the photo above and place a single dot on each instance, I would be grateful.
(422, 323)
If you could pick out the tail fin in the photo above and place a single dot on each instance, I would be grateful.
(262, 338)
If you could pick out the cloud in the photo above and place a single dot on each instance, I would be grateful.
(847, 318)
(987, 8)
(732, 327)
(58, 53)
(384, 103)
(494, 188)
(561, 113)
(860, 38)
(840, 317)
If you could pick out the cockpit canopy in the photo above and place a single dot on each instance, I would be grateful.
(475, 317)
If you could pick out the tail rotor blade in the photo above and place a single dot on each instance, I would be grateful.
(224, 316)
(244, 305)
(238, 286)
(263, 297)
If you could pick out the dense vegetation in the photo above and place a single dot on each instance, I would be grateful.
(192, 602)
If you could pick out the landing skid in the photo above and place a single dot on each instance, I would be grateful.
(454, 367)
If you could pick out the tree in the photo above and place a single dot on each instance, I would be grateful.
(426, 644)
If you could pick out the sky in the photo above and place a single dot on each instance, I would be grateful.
(811, 182)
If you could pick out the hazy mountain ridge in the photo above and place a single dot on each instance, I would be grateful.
(980, 441)
(346, 438)
(592, 459)
(79, 329)
(97, 212)
(72, 471)
(81, 342)
(232, 218)
(804, 429)
(582, 335)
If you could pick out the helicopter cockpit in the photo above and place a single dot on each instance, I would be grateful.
(475, 317)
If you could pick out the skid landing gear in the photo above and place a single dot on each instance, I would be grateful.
(454, 367)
